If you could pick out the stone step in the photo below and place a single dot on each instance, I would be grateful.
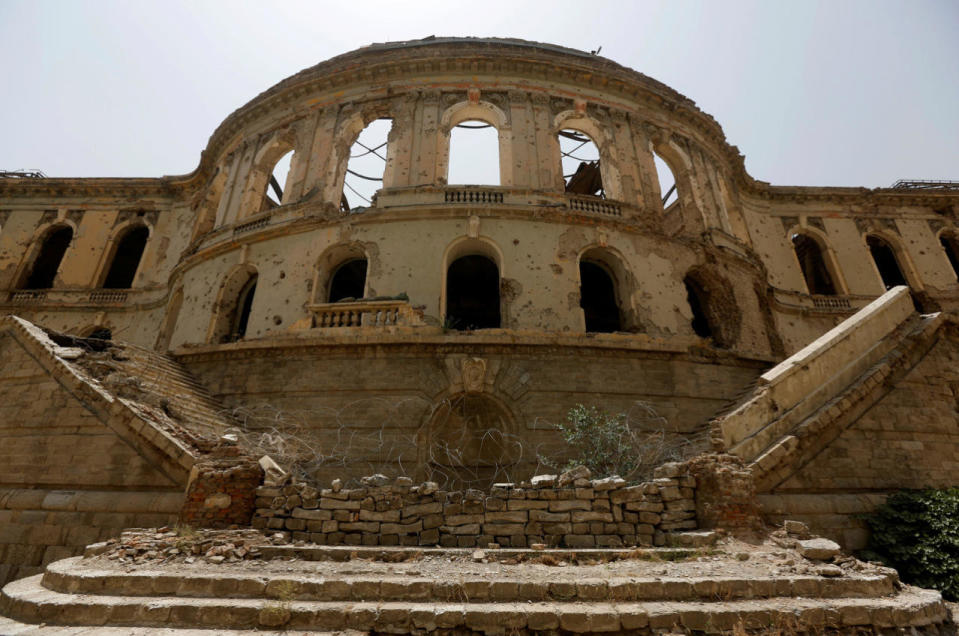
(27, 600)
(65, 578)
(9, 627)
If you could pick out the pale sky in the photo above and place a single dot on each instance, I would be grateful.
(839, 92)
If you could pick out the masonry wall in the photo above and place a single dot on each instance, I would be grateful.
(369, 407)
(65, 479)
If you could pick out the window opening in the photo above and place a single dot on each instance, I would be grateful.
(667, 181)
(581, 165)
(597, 294)
(886, 262)
(349, 281)
(949, 245)
(698, 300)
(244, 305)
(366, 165)
(273, 196)
(472, 294)
(474, 154)
(126, 259)
(813, 265)
(48, 260)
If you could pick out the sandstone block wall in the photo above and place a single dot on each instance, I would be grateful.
(583, 513)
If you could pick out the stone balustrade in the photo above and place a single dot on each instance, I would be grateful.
(373, 313)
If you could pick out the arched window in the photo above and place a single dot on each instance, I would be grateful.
(809, 253)
(126, 258)
(273, 195)
(698, 300)
(474, 154)
(234, 304)
(950, 245)
(598, 298)
(580, 163)
(348, 281)
(366, 165)
(472, 293)
(716, 314)
(47, 263)
(667, 181)
(886, 262)
(244, 304)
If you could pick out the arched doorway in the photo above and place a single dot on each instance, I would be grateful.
(472, 293)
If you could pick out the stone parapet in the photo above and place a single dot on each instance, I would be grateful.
(583, 513)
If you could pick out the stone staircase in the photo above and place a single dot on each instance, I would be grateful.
(383, 599)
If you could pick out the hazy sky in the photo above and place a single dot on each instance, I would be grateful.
(839, 92)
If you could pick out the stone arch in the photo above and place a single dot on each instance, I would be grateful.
(265, 160)
(170, 318)
(473, 247)
(478, 111)
(681, 165)
(331, 260)
(47, 250)
(613, 264)
(233, 305)
(877, 243)
(816, 261)
(601, 136)
(470, 440)
(348, 132)
(712, 301)
(123, 255)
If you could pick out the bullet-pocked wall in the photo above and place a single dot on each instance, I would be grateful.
(720, 277)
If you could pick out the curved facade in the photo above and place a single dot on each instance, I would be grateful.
(409, 329)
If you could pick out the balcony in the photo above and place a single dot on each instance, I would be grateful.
(369, 314)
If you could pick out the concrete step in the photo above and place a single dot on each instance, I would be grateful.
(27, 600)
(65, 578)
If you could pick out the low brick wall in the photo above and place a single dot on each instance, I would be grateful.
(556, 511)
(221, 493)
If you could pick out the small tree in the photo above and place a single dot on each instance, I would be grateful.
(608, 445)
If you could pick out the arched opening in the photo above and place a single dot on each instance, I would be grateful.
(667, 182)
(366, 165)
(950, 245)
(126, 258)
(886, 262)
(598, 298)
(244, 305)
(715, 312)
(474, 154)
(580, 163)
(472, 293)
(471, 443)
(698, 300)
(348, 281)
(273, 196)
(234, 305)
(809, 253)
(47, 263)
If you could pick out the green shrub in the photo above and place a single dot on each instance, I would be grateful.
(609, 445)
(917, 532)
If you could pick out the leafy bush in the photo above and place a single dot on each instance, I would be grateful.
(917, 532)
(611, 445)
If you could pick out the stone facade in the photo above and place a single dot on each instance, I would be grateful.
(698, 297)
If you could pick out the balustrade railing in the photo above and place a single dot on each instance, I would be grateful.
(595, 205)
(27, 297)
(374, 313)
(473, 196)
(104, 296)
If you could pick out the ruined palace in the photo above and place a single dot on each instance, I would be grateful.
(439, 330)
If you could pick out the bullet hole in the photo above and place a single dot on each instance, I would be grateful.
(282, 275)
(277, 320)
(515, 241)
